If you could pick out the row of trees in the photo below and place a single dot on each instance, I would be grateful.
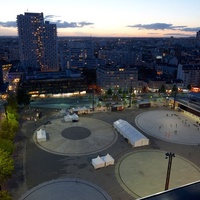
(8, 128)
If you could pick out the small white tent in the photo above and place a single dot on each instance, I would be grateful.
(98, 162)
(74, 117)
(130, 133)
(41, 135)
(108, 159)
(70, 118)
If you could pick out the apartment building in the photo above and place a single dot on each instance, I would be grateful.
(115, 77)
(37, 42)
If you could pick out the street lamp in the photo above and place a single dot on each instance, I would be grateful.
(93, 100)
(169, 156)
(131, 90)
(175, 89)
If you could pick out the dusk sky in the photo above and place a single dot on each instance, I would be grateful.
(109, 18)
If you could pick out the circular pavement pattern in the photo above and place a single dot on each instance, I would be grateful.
(171, 126)
(143, 173)
(76, 133)
(68, 189)
(87, 136)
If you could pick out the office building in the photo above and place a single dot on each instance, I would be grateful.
(37, 43)
(115, 77)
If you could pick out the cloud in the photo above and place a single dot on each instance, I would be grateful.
(59, 23)
(65, 24)
(9, 24)
(180, 34)
(163, 26)
(50, 17)
(195, 29)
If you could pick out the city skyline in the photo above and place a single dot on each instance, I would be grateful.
(156, 18)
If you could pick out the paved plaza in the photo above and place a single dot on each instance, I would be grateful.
(171, 126)
(137, 171)
(143, 173)
(87, 136)
(66, 189)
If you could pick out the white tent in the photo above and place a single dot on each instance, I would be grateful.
(130, 133)
(74, 117)
(63, 111)
(70, 118)
(80, 110)
(98, 162)
(41, 135)
(108, 159)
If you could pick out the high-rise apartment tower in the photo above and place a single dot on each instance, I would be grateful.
(37, 42)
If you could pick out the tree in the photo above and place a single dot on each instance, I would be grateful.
(120, 91)
(7, 145)
(12, 102)
(11, 113)
(23, 98)
(109, 92)
(162, 89)
(5, 195)
(189, 87)
(175, 89)
(8, 128)
(6, 166)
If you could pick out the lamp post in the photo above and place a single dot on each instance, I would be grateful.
(93, 100)
(131, 89)
(169, 156)
(175, 89)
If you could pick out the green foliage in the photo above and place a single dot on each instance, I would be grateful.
(162, 89)
(12, 102)
(6, 166)
(189, 87)
(7, 145)
(109, 92)
(124, 103)
(124, 95)
(5, 195)
(11, 113)
(175, 88)
(99, 105)
(8, 129)
(120, 91)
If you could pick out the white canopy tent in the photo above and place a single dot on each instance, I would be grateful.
(70, 118)
(130, 133)
(74, 117)
(98, 162)
(63, 111)
(80, 110)
(108, 159)
(41, 135)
